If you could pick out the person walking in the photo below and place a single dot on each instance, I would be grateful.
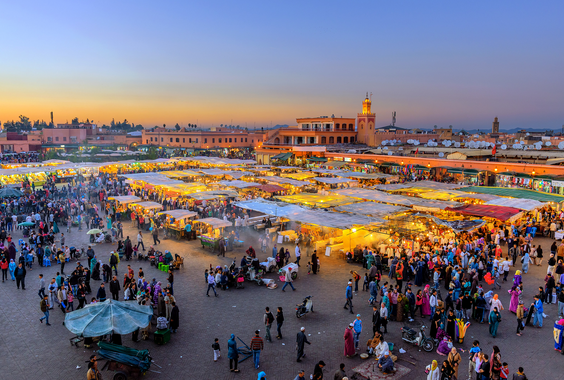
(349, 341)
(349, 296)
(140, 240)
(494, 320)
(279, 322)
(298, 254)
(155, 235)
(538, 316)
(232, 354)
(257, 345)
(20, 274)
(357, 328)
(268, 320)
(211, 284)
(43, 305)
(41, 292)
(318, 370)
(288, 279)
(301, 340)
(4, 266)
(115, 288)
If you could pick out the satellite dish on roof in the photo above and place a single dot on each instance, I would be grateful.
(538, 147)
(410, 141)
(528, 134)
(441, 154)
(416, 142)
(522, 142)
(548, 143)
(561, 145)
(457, 144)
(503, 147)
(385, 148)
(389, 153)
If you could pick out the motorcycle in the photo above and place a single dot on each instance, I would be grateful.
(418, 338)
(76, 253)
(305, 307)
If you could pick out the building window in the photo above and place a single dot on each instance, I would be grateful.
(151, 139)
(213, 140)
(171, 139)
(331, 140)
(346, 140)
(252, 141)
(327, 127)
(229, 139)
(219, 140)
(183, 140)
(245, 139)
(337, 126)
(64, 139)
(177, 139)
(190, 140)
(235, 139)
(161, 139)
(352, 139)
(57, 138)
(351, 127)
(324, 140)
(196, 140)
(205, 140)
(49, 139)
(339, 140)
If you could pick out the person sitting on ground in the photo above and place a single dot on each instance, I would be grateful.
(386, 364)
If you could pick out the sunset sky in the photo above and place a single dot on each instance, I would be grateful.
(261, 62)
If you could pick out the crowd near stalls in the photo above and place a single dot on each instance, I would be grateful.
(436, 250)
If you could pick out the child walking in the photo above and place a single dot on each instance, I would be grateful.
(216, 350)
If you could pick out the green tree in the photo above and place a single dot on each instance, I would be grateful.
(74, 121)
(152, 153)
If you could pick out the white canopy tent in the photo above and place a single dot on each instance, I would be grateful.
(179, 213)
(522, 204)
(380, 210)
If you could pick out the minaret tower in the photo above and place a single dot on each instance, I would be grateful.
(366, 121)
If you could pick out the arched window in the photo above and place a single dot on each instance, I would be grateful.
(351, 127)
(352, 139)
(346, 140)
(331, 140)
(337, 126)
(339, 140)
(323, 140)
(277, 140)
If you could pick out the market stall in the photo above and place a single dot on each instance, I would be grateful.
(211, 231)
(176, 221)
(490, 211)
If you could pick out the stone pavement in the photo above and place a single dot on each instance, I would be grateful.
(31, 350)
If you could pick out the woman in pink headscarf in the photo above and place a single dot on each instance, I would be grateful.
(515, 292)
(426, 306)
(349, 342)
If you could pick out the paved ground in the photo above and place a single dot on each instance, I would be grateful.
(30, 350)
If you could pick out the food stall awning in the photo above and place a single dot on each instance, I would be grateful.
(335, 164)
(237, 175)
(317, 159)
(149, 205)
(443, 195)
(523, 204)
(179, 214)
(359, 175)
(298, 176)
(490, 211)
(215, 223)
(317, 200)
(214, 172)
(282, 156)
(125, 199)
(207, 195)
(271, 188)
(380, 196)
(426, 184)
(288, 181)
(380, 210)
(483, 197)
(295, 213)
(515, 193)
(238, 184)
(333, 181)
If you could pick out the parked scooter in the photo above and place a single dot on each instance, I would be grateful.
(418, 338)
(304, 307)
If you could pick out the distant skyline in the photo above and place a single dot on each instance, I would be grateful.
(256, 63)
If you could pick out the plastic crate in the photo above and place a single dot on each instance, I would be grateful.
(162, 336)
